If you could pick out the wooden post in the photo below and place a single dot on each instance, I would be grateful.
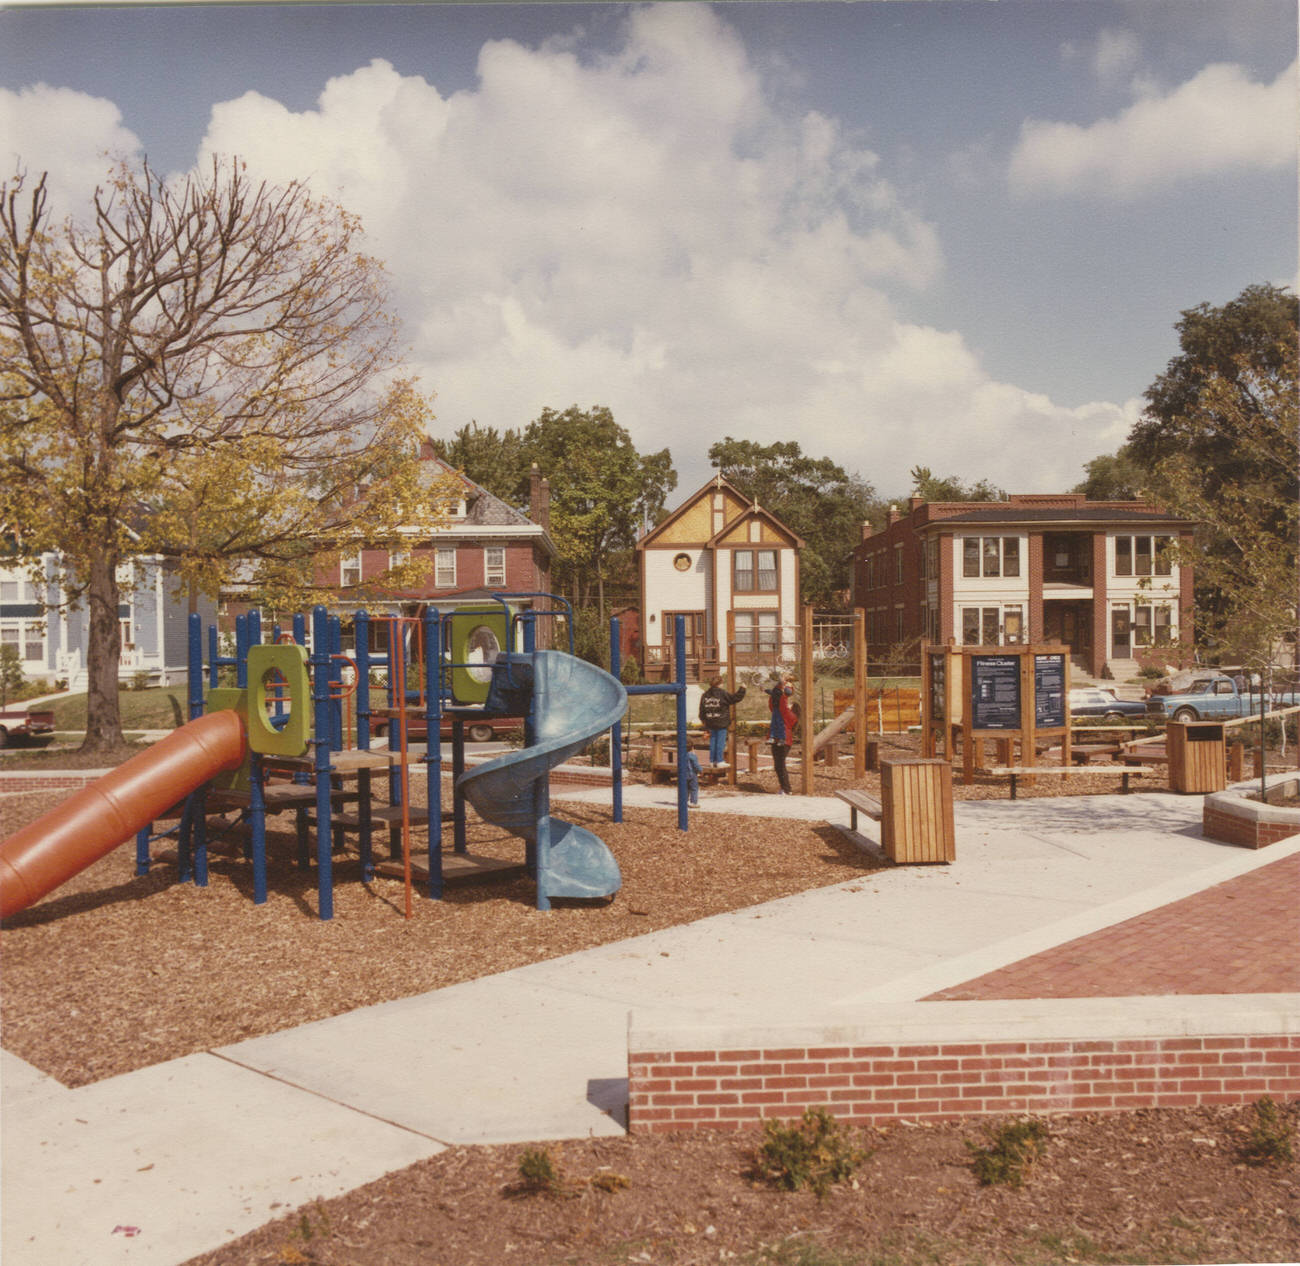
(860, 693)
(731, 688)
(806, 690)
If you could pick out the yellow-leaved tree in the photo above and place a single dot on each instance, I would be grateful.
(204, 370)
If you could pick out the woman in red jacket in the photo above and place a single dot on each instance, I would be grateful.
(780, 733)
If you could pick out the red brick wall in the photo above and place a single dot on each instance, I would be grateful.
(1100, 605)
(1037, 631)
(1233, 829)
(738, 1088)
(17, 782)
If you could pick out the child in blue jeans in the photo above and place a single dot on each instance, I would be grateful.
(692, 776)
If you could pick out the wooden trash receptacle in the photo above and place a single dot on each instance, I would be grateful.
(1197, 756)
(916, 811)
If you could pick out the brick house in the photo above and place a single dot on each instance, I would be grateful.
(486, 546)
(1094, 575)
(718, 555)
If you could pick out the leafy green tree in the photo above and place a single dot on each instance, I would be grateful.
(202, 369)
(1245, 552)
(493, 459)
(11, 672)
(950, 488)
(1232, 345)
(602, 493)
(814, 497)
(1113, 477)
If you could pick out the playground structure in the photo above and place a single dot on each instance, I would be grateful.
(276, 740)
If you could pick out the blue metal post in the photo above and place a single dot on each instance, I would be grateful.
(679, 649)
(214, 648)
(361, 655)
(257, 823)
(616, 734)
(241, 651)
(195, 665)
(320, 662)
(433, 744)
(255, 627)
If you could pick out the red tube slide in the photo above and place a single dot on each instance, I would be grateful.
(92, 823)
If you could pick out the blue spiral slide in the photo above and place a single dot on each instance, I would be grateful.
(572, 702)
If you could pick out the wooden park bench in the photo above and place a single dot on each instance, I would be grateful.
(860, 802)
(663, 764)
(1061, 771)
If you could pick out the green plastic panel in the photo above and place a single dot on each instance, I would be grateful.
(277, 676)
(476, 636)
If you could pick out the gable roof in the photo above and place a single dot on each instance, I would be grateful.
(746, 509)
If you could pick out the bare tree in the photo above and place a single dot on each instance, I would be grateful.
(203, 370)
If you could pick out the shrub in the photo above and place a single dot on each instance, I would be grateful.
(539, 1174)
(1011, 1149)
(813, 1152)
(1269, 1141)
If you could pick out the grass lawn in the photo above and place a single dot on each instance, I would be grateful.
(160, 708)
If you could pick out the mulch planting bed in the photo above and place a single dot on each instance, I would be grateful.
(1148, 1187)
(112, 973)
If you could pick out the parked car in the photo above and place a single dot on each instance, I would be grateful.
(1095, 702)
(1216, 698)
(22, 725)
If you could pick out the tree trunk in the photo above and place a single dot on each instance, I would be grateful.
(103, 654)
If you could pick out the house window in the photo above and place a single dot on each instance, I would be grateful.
(11, 590)
(756, 630)
(28, 639)
(982, 626)
(1013, 626)
(397, 558)
(754, 571)
(898, 624)
(1143, 555)
(350, 570)
(444, 569)
(128, 635)
(990, 556)
(898, 564)
(494, 565)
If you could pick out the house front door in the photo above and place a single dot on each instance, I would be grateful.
(694, 622)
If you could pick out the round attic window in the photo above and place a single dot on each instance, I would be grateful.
(682, 562)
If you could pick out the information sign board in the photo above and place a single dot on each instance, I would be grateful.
(1049, 691)
(995, 692)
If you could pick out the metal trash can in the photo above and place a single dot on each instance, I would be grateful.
(916, 823)
(1197, 756)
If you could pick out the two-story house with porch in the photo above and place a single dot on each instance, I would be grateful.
(50, 631)
(1094, 575)
(719, 560)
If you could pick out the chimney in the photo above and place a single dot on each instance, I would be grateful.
(539, 498)
(866, 528)
(426, 449)
(915, 502)
(894, 516)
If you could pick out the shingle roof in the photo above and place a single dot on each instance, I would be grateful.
(1089, 514)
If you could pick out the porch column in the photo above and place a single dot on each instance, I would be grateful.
(1100, 606)
(1037, 628)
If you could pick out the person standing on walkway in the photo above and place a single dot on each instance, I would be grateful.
(780, 733)
(692, 775)
(715, 715)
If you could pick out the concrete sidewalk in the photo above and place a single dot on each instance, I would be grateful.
(159, 1165)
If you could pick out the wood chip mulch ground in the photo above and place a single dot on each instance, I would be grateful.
(112, 972)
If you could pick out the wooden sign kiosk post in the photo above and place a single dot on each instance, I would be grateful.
(1012, 694)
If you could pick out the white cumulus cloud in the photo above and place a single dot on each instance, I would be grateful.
(68, 134)
(643, 228)
(1215, 124)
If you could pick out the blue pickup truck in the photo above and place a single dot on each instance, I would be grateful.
(1214, 698)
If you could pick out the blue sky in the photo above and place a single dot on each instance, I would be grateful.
(954, 233)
